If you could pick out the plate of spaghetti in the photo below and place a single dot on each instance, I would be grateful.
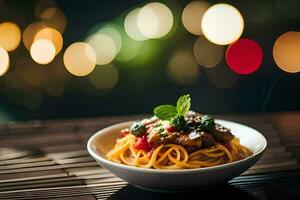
(177, 148)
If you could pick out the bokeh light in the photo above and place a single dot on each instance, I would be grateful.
(30, 31)
(4, 61)
(111, 31)
(10, 36)
(80, 59)
(104, 77)
(221, 77)
(55, 18)
(130, 49)
(42, 51)
(42, 5)
(286, 52)
(53, 35)
(104, 47)
(182, 68)
(222, 24)
(130, 25)
(206, 53)
(192, 16)
(244, 56)
(155, 20)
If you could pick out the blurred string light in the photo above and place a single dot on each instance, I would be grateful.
(206, 53)
(80, 59)
(182, 68)
(10, 36)
(131, 27)
(221, 77)
(286, 52)
(104, 77)
(192, 16)
(42, 51)
(222, 24)
(53, 35)
(104, 47)
(4, 61)
(30, 31)
(154, 20)
(55, 18)
(244, 56)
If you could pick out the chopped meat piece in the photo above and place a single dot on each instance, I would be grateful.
(185, 140)
(222, 134)
(208, 140)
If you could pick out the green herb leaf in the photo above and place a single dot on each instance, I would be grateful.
(178, 123)
(183, 104)
(163, 134)
(207, 122)
(137, 128)
(165, 112)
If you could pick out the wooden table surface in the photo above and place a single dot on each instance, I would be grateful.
(48, 160)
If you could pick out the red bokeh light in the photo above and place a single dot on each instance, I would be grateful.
(244, 56)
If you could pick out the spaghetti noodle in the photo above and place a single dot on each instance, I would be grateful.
(174, 156)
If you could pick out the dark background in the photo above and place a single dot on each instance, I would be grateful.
(145, 85)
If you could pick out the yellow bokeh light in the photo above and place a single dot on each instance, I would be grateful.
(206, 53)
(104, 47)
(222, 24)
(182, 68)
(55, 18)
(10, 36)
(130, 25)
(53, 35)
(30, 32)
(286, 52)
(104, 77)
(4, 61)
(155, 20)
(42, 51)
(192, 16)
(80, 59)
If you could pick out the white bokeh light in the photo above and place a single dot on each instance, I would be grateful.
(104, 47)
(42, 51)
(4, 61)
(222, 24)
(131, 27)
(155, 20)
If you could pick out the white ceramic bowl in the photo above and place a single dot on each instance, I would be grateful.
(183, 179)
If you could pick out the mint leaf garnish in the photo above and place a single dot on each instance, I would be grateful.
(183, 104)
(165, 112)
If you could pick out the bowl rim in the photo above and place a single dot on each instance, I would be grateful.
(97, 157)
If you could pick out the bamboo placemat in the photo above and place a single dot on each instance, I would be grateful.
(48, 160)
